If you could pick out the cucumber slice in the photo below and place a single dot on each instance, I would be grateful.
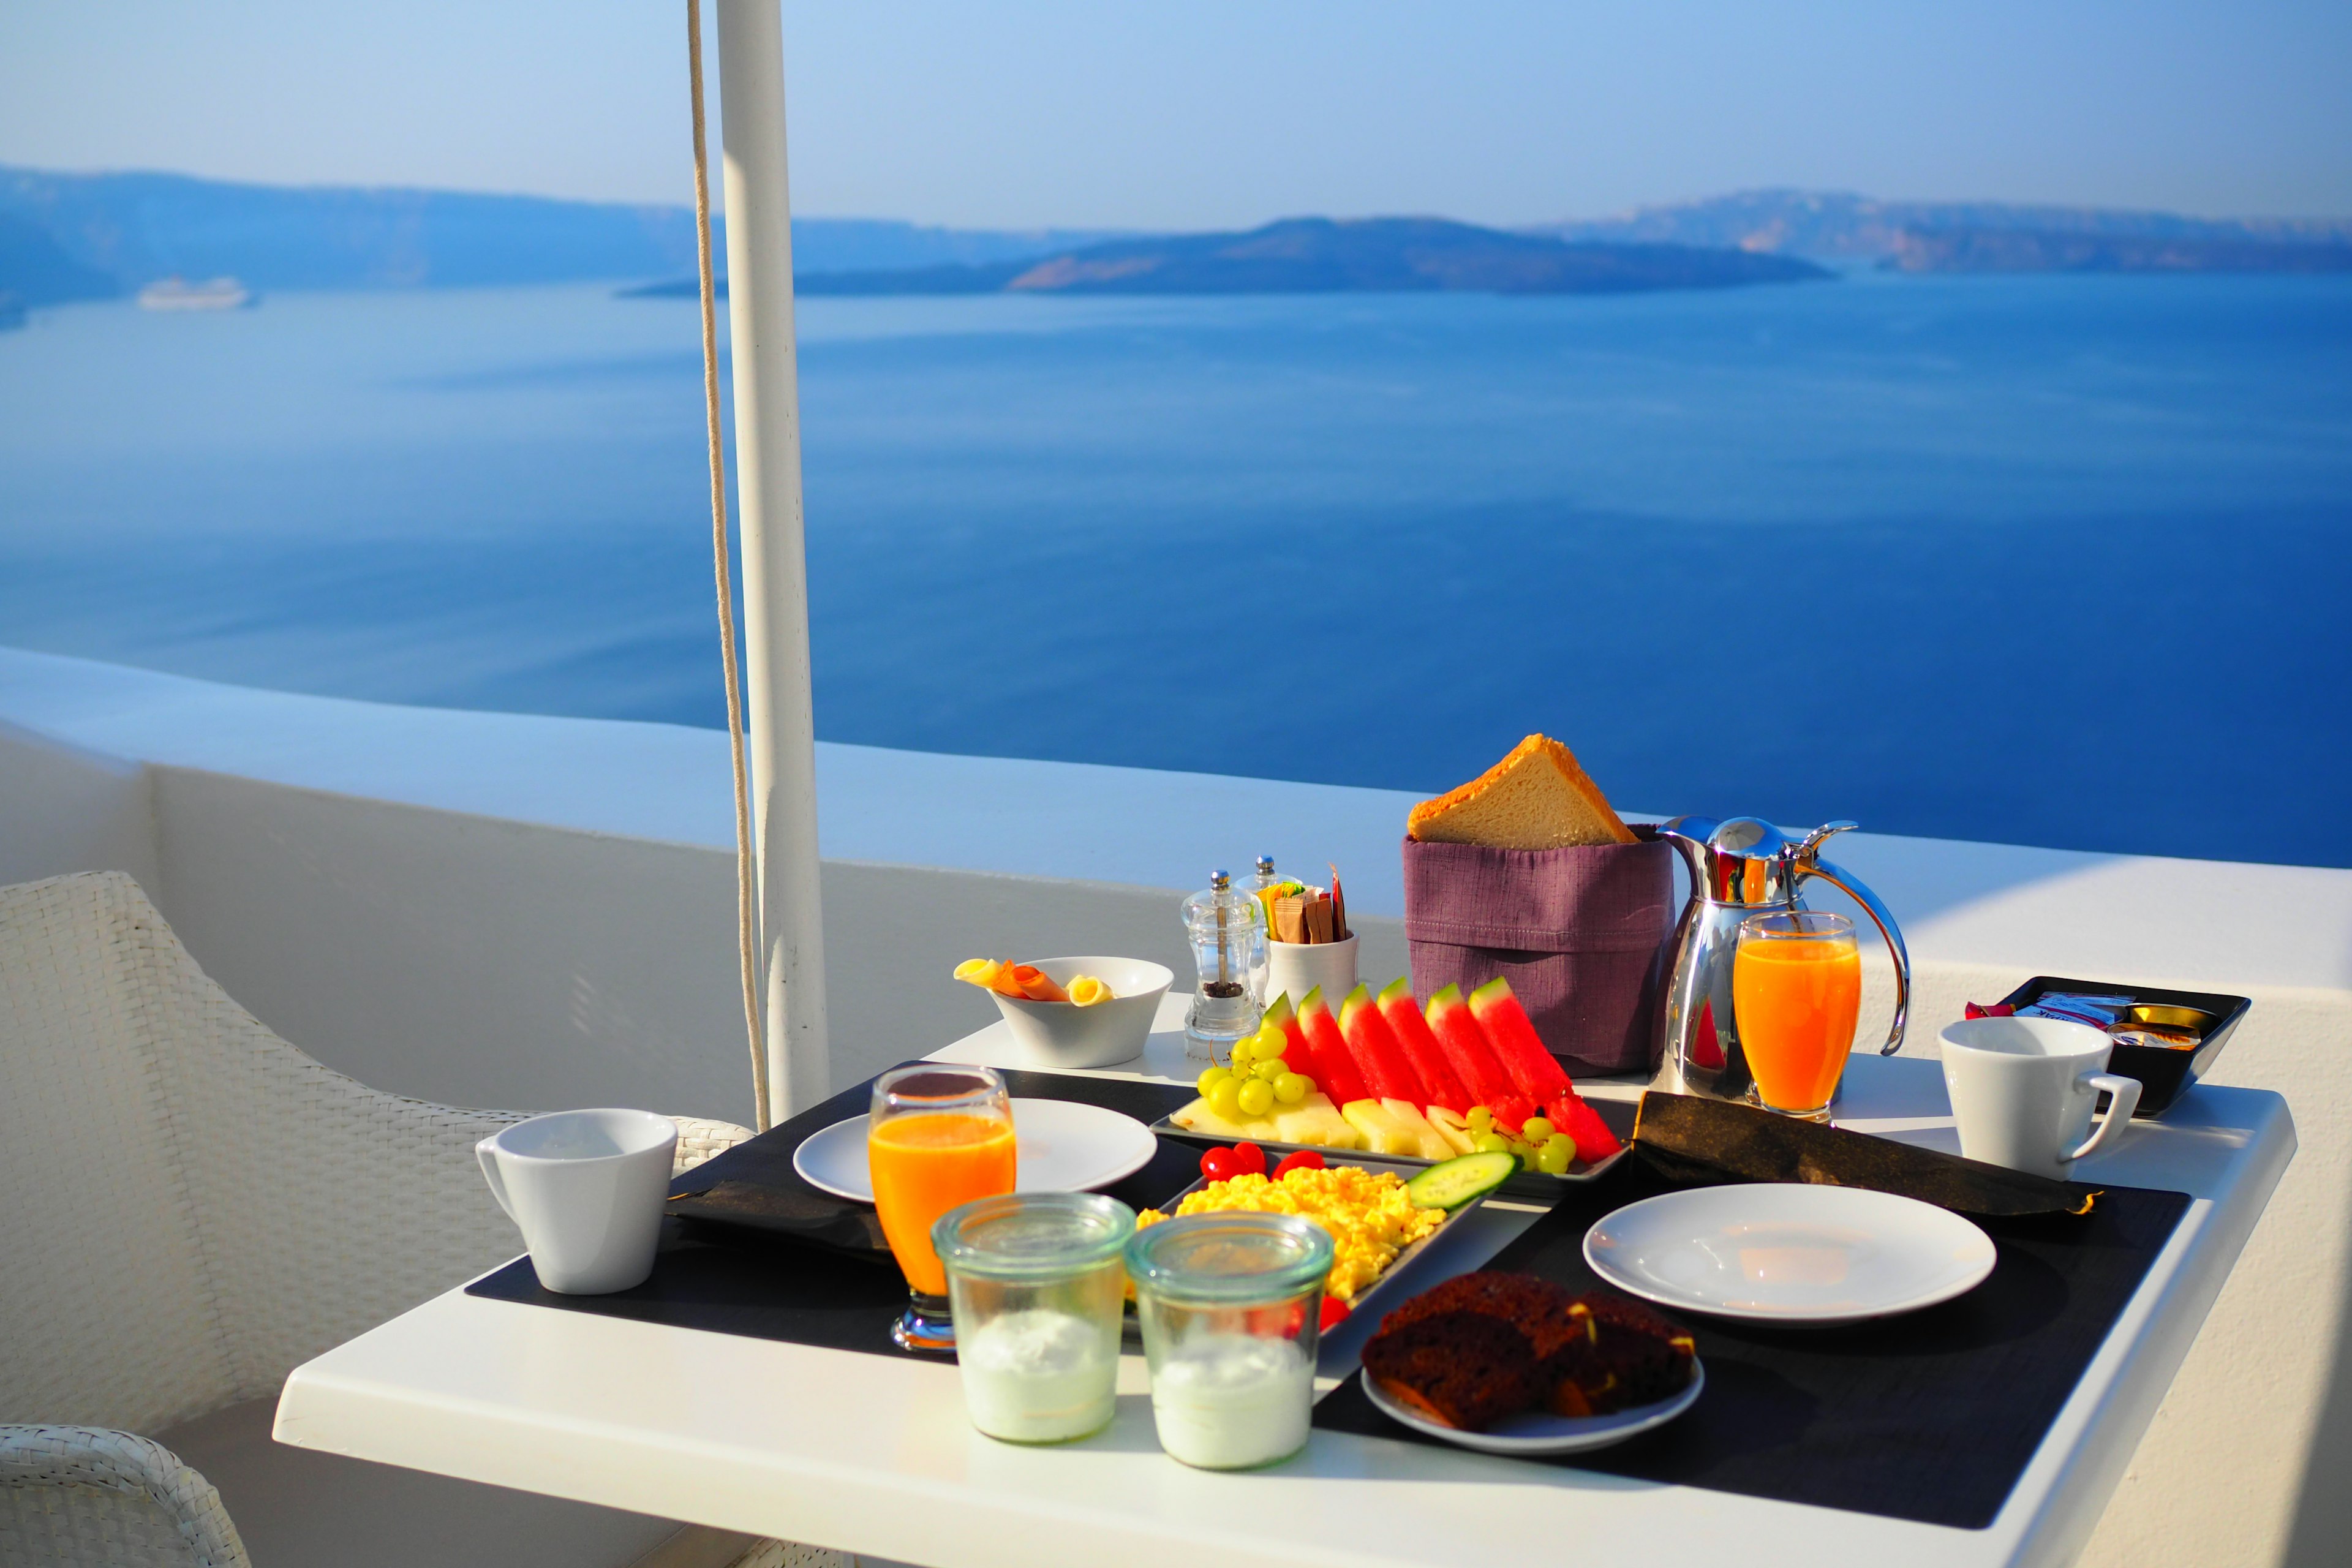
(1450, 1183)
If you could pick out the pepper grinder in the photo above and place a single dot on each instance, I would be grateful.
(1227, 930)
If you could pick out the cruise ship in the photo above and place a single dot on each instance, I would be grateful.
(176, 293)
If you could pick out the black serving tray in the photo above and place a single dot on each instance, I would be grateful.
(2164, 1074)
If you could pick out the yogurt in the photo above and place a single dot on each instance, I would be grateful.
(1038, 1376)
(1225, 1402)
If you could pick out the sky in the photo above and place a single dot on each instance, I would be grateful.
(1214, 113)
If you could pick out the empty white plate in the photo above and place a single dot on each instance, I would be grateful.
(1787, 1253)
(1062, 1147)
(1542, 1432)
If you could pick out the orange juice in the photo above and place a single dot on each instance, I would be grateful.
(926, 1164)
(1796, 1002)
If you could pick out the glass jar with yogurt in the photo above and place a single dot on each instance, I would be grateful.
(1038, 1287)
(1231, 1304)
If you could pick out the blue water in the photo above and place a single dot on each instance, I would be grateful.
(2047, 560)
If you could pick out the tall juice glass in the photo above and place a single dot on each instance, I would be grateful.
(1795, 990)
(939, 1135)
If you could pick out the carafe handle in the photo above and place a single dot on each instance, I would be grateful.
(1853, 887)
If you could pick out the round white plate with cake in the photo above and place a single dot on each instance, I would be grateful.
(1533, 1432)
(1512, 1363)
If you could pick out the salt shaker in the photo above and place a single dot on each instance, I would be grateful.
(1227, 929)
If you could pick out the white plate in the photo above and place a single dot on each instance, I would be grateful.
(1788, 1253)
(1542, 1432)
(1064, 1147)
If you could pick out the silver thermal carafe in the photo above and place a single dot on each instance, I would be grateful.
(1742, 866)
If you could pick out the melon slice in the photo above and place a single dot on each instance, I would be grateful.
(1428, 1141)
(1315, 1122)
(1334, 1071)
(1385, 1068)
(1535, 1072)
(1453, 1129)
(1465, 1047)
(1385, 1131)
(1198, 1118)
(1438, 1082)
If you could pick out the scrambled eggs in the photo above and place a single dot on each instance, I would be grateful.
(1369, 1217)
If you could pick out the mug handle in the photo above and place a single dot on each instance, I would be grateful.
(2126, 1091)
(489, 1157)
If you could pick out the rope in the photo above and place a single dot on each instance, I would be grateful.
(746, 925)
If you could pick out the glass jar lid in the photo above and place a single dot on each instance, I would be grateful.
(1233, 1257)
(1033, 1235)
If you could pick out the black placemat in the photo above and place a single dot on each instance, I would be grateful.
(1931, 1417)
(756, 1250)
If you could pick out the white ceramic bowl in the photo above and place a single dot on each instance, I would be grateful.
(1065, 1034)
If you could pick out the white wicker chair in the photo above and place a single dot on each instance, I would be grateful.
(195, 1208)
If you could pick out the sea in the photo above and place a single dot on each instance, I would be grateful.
(2050, 560)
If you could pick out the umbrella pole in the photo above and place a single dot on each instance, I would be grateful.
(775, 560)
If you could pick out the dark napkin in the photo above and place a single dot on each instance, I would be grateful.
(1690, 1139)
(1931, 1417)
(755, 1250)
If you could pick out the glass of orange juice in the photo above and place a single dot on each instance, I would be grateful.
(940, 1134)
(1795, 990)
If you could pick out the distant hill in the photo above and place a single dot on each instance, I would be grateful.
(1841, 225)
(130, 229)
(1327, 256)
(36, 271)
(2039, 250)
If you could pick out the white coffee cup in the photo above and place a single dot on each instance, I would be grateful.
(1295, 968)
(2023, 1090)
(587, 1187)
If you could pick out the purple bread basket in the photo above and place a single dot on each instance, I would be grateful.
(1580, 932)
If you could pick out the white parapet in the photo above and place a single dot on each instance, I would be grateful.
(500, 910)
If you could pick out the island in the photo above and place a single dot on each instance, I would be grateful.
(1325, 256)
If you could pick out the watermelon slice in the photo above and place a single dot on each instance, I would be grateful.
(1466, 1051)
(1533, 1070)
(1572, 1114)
(1298, 1052)
(1386, 1069)
(1403, 1016)
(1334, 1071)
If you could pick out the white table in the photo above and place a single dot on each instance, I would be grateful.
(873, 1455)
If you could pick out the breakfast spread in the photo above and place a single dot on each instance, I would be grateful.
(1482, 1347)
(1392, 1077)
(1028, 983)
(1538, 797)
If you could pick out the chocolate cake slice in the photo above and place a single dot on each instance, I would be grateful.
(1627, 1356)
(1466, 1369)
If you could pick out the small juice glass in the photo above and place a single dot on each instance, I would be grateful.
(1796, 991)
(939, 1135)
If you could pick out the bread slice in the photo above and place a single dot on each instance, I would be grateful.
(1535, 798)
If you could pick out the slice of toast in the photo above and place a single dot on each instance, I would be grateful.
(1535, 798)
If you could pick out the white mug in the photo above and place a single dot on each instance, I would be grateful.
(2023, 1090)
(1295, 968)
(587, 1187)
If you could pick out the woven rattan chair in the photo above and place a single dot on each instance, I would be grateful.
(193, 1208)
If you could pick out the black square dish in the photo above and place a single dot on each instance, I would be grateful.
(2164, 1072)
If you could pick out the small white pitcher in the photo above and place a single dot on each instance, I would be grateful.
(587, 1188)
(2023, 1090)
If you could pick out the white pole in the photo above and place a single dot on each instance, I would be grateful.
(775, 561)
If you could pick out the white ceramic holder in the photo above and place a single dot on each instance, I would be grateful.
(1295, 968)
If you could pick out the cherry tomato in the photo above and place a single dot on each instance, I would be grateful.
(1219, 1165)
(1249, 1159)
(1303, 1159)
(1335, 1313)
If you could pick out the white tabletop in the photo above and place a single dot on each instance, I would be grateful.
(873, 1454)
